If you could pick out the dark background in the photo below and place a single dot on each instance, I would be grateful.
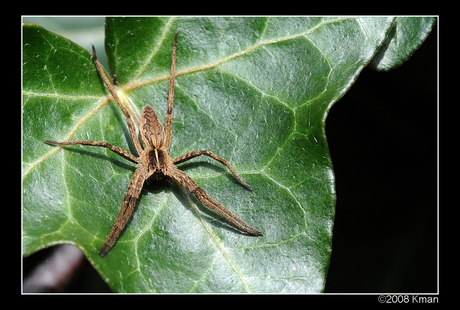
(382, 138)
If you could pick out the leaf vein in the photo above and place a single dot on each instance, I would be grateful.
(136, 84)
(155, 49)
(60, 96)
(102, 103)
(216, 241)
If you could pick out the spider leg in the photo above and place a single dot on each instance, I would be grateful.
(208, 201)
(129, 202)
(194, 154)
(168, 122)
(113, 148)
(132, 128)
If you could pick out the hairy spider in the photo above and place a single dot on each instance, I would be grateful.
(154, 160)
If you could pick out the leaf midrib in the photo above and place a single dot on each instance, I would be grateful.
(129, 87)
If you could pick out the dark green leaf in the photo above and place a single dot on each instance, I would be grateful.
(255, 91)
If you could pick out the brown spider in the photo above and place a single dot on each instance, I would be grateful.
(154, 160)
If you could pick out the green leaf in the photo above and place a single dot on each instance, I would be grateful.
(255, 91)
(405, 37)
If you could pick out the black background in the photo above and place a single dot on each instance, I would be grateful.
(382, 138)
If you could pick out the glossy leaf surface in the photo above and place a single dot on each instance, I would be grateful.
(255, 91)
(404, 38)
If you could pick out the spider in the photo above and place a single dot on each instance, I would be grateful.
(154, 160)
